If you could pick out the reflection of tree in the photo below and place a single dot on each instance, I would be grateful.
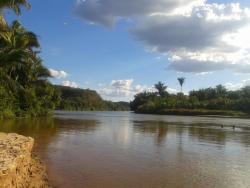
(159, 129)
(179, 131)
(211, 133)
(208, 134)
(42, 130)
(243, 135)
(245, 138)
(68, 125)
(45, 130)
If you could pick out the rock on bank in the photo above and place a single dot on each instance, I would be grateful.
(18, 169)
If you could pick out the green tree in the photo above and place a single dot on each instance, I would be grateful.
(221, 91)
(161, 89)
(17, 51)
(14, 5)
(181, 81)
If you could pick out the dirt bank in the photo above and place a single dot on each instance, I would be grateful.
(18, 167)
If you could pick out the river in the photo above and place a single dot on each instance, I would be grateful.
(127, 150)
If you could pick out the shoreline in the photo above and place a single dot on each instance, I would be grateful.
(197, 113)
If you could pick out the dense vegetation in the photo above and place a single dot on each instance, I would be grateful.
(86, 100)
(209, 101)
(24, 88)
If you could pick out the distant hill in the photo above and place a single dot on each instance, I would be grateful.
(86, 100)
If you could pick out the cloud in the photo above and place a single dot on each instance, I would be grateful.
(195, 35)
(203, 73)
(68, 83)
(63, 76)
(58, 74)
(209, 38)
(237, 86)
(108, 12)
(122, 84)
(124, 90)
(119, 89)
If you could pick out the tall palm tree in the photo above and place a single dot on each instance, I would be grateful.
(161, 88)
(181, 81)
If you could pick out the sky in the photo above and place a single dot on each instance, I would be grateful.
(120, 48)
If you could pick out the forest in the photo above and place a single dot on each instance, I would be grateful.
(208, 101)
(76, 99)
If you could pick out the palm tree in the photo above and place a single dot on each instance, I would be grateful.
(17, 45)
(13, 5)
(18, 56)
(161, 88)
(220, 91)
(181, 81)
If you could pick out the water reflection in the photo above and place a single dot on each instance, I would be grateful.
(158, 129)
(29, 127)
(113, 149)
(209, 135)
(47, 130)
(50, 126)
(203, 132)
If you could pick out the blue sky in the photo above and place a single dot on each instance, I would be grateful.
(121, 58)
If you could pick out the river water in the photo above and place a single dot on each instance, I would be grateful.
(126, 150)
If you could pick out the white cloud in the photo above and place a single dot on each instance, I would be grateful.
(69, 84)
(196, 36)
(237, 86)
(58, 74)
(172, 91)
(122, 84)
(124, 90)
(63, 77)
(119, 90)
(203, 73)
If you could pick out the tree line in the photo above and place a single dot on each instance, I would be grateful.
(208, 101)
(76, 99)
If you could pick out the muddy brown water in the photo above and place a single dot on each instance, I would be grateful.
(126, 150)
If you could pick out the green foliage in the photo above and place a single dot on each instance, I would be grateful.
(24, 89)
(210, 101)
(75, 99)
(161, 89)
(14, 5)
(181, 81)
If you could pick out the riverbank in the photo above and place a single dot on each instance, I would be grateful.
(18, 167)
(195, 112)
